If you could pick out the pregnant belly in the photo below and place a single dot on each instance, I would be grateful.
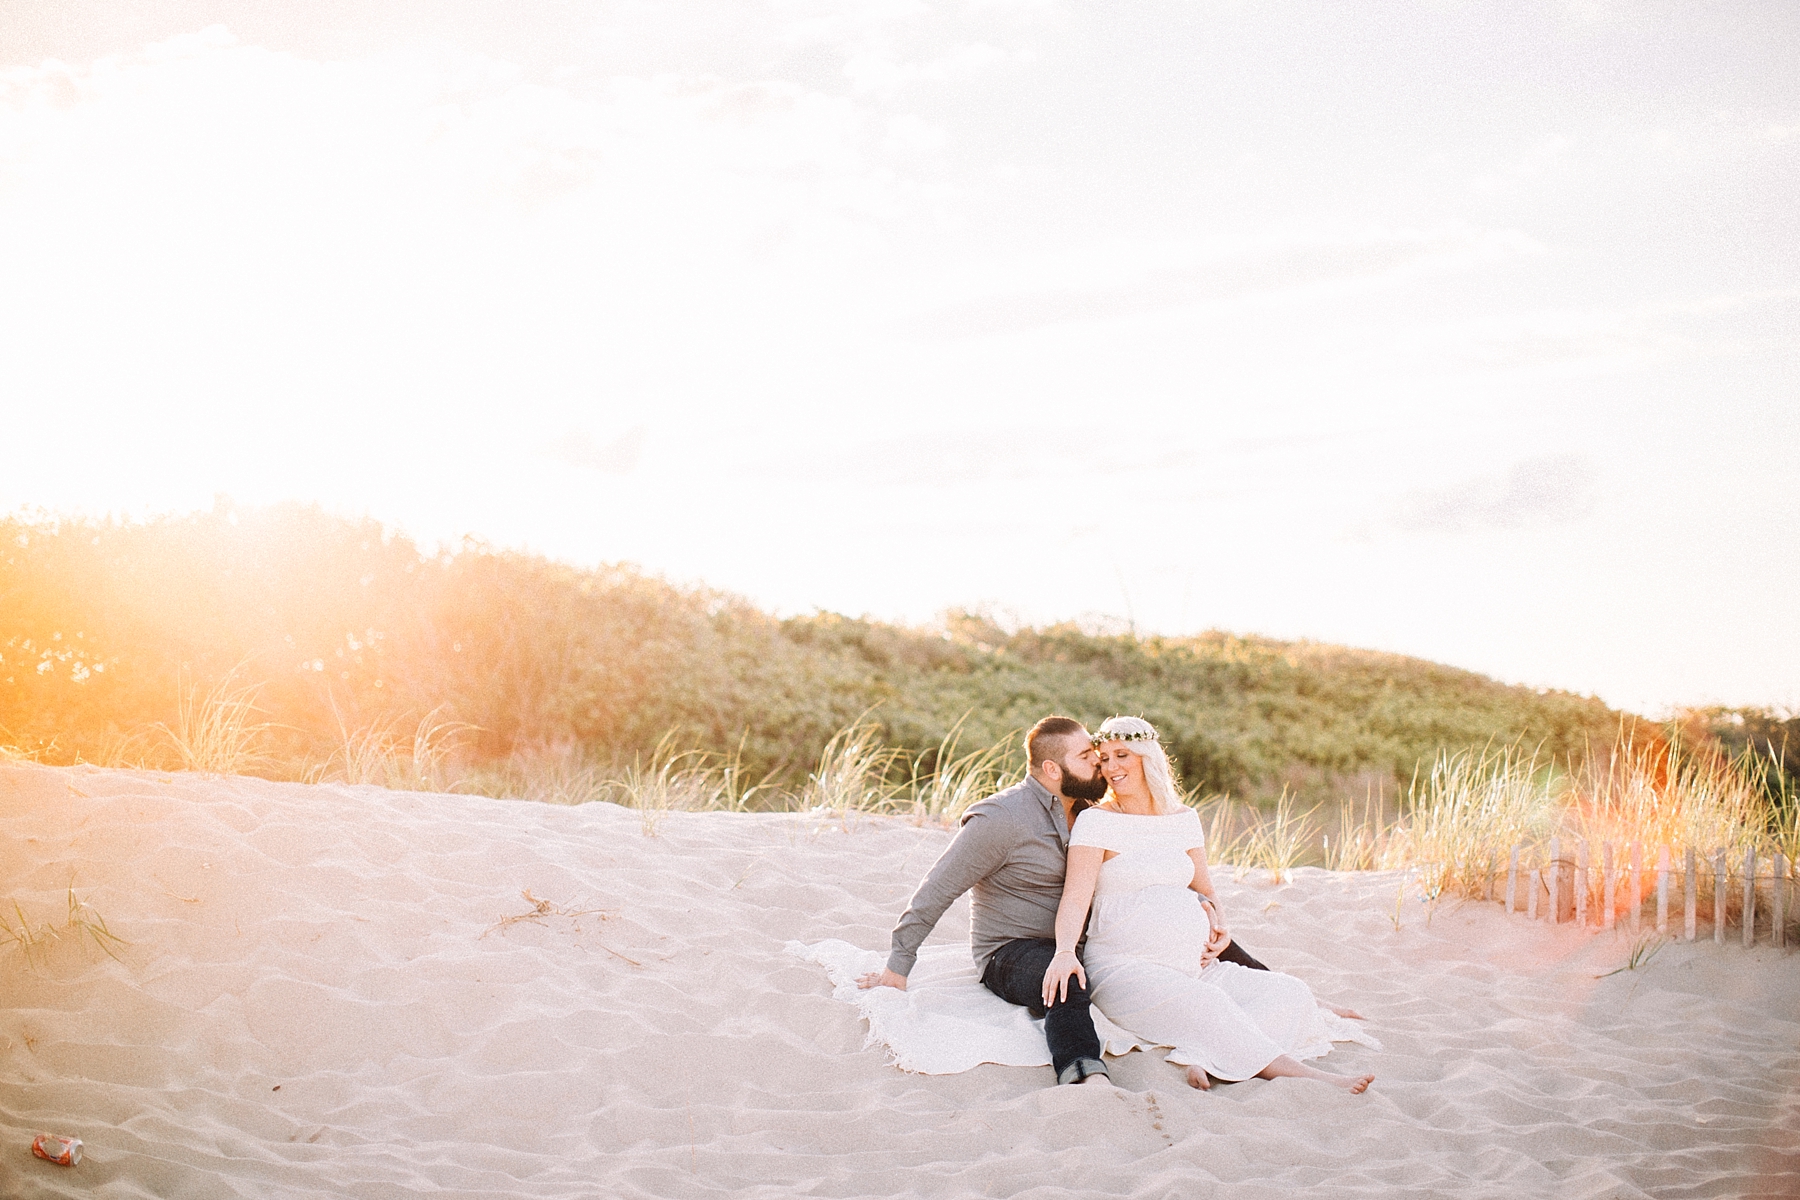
(1159, 924)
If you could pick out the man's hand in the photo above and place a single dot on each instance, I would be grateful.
(881, 978)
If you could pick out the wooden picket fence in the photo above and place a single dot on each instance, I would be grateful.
(1566, 887)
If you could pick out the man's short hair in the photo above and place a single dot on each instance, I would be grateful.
(1041, 742)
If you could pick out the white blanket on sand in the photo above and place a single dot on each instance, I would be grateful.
(946, 1021)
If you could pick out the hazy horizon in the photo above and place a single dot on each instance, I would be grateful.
(1459, 331)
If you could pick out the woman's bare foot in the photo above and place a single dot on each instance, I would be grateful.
(1198, 1078)
(1287, 1067)
(1349, 1014)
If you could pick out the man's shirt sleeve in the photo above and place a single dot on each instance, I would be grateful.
(978, 850)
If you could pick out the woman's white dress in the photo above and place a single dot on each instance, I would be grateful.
(1145, 938)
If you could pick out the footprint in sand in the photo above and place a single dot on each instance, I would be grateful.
(1156, 1117)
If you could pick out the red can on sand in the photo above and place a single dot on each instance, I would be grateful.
(63, 1151)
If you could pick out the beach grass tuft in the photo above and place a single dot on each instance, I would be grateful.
(215, 732)
(1225, 830)
(1461, 818)
(956, 779)
(855, 773)
(1642, 951)
(381, 754)
(1279, 840)
(82, 924)
(1359, 838)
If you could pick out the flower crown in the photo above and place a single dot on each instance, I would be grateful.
(1136, 735)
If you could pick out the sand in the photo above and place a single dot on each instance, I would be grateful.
(318, 999)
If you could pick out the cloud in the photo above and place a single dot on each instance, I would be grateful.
(1615, 339)
(1271, 270)
(976, 456)
(239, 129)
(430, 223)
(1554, 490)
(620, 456)
(881, 71)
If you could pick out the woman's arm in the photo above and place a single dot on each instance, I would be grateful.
(1202, 884)
(1079, 878)
(1202, 881)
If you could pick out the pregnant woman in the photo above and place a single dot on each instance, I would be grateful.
(1151, 957)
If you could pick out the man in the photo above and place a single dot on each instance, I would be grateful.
(1012, 849)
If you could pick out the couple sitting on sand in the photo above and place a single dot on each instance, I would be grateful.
(1157, 959)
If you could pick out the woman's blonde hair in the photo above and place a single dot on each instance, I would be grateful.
(1140, 738)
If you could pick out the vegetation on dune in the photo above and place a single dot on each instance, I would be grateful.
(1768, 745)
(1653, 792)
(292, 644)
(331, 641)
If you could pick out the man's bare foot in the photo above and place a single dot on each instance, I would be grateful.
(1198, 1078)
(1096, 1077)
(1347, 1013)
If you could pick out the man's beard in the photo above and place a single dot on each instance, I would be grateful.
(1087, 790)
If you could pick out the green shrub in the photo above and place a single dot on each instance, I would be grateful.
(344, 632)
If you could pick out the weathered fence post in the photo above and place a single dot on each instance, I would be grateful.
(1556, 881)
(1749, 896)
(1637, 885)
(1662, 889)
(1689, 898)
(1512, 882)
(1778, 901)
(1609, 884)
(1719, 898)
(1537, 881)
(1581, 883)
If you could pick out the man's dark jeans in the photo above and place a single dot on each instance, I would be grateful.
(1234, 954)
(1016, 975)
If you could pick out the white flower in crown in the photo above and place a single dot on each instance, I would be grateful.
(1135, 735)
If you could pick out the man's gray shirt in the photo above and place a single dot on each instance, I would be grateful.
(1012, 850)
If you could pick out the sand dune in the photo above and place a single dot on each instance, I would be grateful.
(318, 999)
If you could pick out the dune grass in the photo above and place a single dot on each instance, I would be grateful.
(1643, 950)
(944, 783)
(1278, 840)
(1358, 839)
(1465, 815)
(81, 925)
(1669, 794)
(1452, 835)
(855, 774)
(418, 760)
(215, 731)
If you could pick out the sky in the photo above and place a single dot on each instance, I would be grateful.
(1462, 330)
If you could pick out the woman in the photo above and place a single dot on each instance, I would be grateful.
(1151, 959)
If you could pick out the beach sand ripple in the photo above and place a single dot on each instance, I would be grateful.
(324, 996)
